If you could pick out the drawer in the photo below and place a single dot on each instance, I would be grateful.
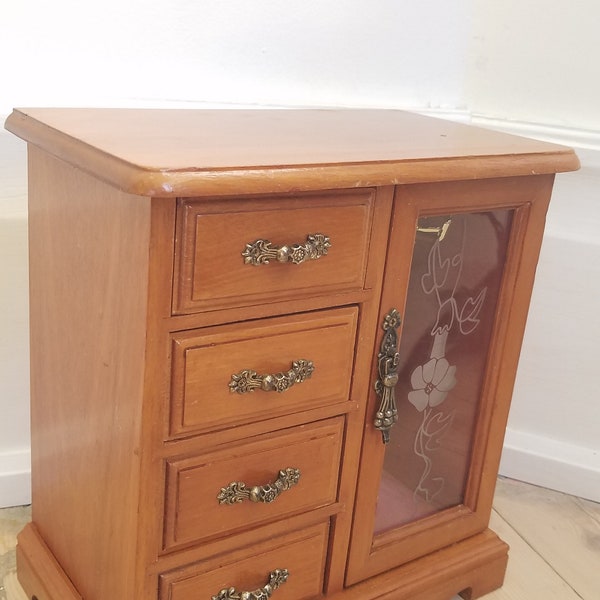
(212, 237)
(208, 365)
(208, 495)
(302, 554)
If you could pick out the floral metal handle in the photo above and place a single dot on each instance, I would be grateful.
(276, 578)
(238, 491)
(387, 366)
(261, 252)
(247, 381)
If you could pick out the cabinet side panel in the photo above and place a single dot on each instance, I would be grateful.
(88, 285)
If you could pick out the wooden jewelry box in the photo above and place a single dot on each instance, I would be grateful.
(272, 351)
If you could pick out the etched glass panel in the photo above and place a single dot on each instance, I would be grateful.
(455, 279)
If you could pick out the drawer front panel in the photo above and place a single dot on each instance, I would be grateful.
(302, 554)
(199, 488)
(209, 366)
(211, 269)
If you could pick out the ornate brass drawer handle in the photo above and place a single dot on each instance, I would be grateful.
(247, 381)
(387, 365)
(276, 578)
(238, 491)
(261, 252)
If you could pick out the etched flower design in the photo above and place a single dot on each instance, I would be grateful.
(445, 317)
(431, 383)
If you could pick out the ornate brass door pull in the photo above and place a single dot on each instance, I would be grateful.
(387, 365)
(276, 578)
(238, 491)
(247, 381)
(261, 252)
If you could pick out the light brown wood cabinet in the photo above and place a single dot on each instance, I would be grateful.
(272, 352)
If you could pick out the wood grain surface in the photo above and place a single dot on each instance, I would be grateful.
(171, 153)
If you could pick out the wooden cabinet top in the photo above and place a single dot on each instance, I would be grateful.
(166, 153)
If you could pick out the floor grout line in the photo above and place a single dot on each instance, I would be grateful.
(590, 513)
(534, 550)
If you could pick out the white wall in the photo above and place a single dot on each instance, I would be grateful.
(533, 69)
(536, 61)
(522, 65)
(14, 331)
(553, 438)
(266, 51)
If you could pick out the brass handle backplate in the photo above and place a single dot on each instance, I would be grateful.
(247, 381)
(261, 252)
(238, 491)
(387, 366)
(276, 578)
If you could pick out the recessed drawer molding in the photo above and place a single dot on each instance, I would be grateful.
(223, 249)
(261, 567)
(200, 505)
(206, 367)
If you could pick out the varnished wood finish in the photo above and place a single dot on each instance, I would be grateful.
(369, 556)
(39, 569)
(142, 309)
(302, 553)
(88, 284)
(208, 152)
(192, 511)
(204, 361)
(473, 568)
(212, 272)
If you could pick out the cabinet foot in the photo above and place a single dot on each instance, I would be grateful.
(38, 571)
(471, 568)
(486, 579)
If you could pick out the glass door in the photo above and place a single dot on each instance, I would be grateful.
(459, 272)
(455, 277)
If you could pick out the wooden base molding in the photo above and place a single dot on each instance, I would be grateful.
(473, 568)
(39, 573)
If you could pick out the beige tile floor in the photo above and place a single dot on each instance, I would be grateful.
(11, 522)
(554, 540)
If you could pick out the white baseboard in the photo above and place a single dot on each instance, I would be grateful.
(551, 464)
(568, 136)
(15, 478)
